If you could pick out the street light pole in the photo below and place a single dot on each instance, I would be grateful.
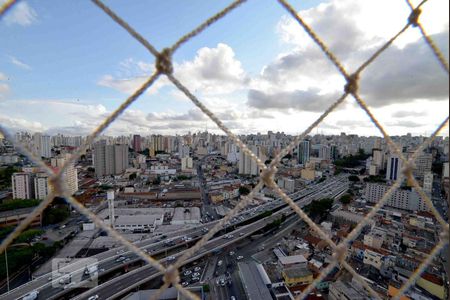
(7, 272)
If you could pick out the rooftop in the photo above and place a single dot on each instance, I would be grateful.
(253, 283)
(293, 259)
(297, 272)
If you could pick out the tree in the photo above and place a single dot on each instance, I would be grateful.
(346, 199)
(157, 180)
(243, 190)
(353, 178)
(320, 207)
(132, 176)
(18, 203)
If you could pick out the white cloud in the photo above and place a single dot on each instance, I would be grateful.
(407, 71)
(212, 71)
(21, 14)
(14, 124)
(19, 63)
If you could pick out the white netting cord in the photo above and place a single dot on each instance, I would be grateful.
(164, 66)
(216, 120)
(6, 6)
(422, 267)
(113, 116)
(436, 51)
(206, 24)
(358, 277)
(240, 205)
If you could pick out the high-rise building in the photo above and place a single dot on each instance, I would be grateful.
(22, 186)
(186, 163)
(428, 182)
(377, 158)
(246, 164)
(423, 165)
(41, 186)
(184, 151)
(401, 198)
(110, 159)
(45, 146)
(41, 145)
(137, 143)
(333, 152)
(70, 175)
(394, 167)
(304, 151)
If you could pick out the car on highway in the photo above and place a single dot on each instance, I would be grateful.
(219, 263)
(231, 253)
(95, 297)
(31, 295)
(170, 258)
(121, 258)
(239, 257)
(241, 233)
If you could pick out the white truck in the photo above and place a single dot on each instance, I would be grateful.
(91, 270)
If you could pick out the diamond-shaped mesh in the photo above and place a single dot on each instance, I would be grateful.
(164, 67)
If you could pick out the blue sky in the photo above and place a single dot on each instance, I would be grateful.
(62, 59)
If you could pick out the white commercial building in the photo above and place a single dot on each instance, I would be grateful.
(394, 167)
(405, 199)
(139, 223)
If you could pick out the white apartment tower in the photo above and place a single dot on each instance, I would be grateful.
(22, 186)
(186, 163)
(41, 186)
(70, 175)
(247, 165)
(110, 159)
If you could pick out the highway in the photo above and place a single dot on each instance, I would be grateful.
(126, 282)
(107, 260)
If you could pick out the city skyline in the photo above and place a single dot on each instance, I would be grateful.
(283, 88)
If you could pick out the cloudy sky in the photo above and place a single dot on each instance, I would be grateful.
(65, 65)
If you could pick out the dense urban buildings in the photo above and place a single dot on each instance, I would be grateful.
(164, 192)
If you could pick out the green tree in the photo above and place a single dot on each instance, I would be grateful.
(54, 215)
(320, 207)
(5, 176)
(346, 199)
(243, 190)
(156, 181)
(18, 203)
(28, 235)
(353, 178)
